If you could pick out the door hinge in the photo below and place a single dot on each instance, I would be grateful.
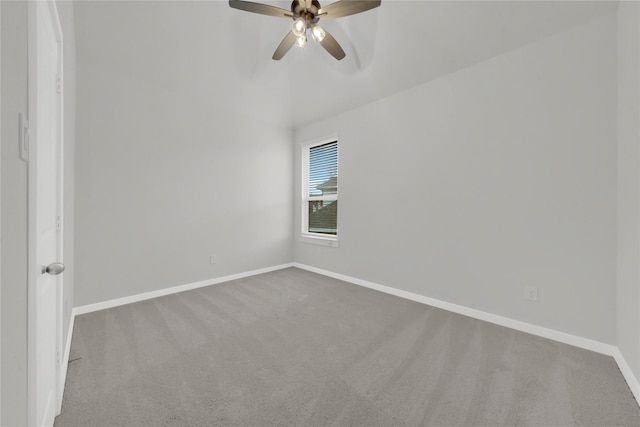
(57, 357)
(58, 223)
(58, 84)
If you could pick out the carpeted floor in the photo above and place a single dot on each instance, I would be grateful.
(292, 348)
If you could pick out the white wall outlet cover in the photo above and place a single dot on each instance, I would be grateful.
(531, 293)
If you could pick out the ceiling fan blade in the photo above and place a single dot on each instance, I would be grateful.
(332, 46)
(346, 8)
(263, 9)
(287, 42)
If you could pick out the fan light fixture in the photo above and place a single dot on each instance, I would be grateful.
(318, 33)
(299, 27)
(301, 41)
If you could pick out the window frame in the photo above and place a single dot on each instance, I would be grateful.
(306, 235)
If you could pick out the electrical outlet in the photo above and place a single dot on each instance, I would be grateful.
(212, 259)
(531, 293)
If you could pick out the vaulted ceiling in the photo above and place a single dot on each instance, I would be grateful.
(206, 49)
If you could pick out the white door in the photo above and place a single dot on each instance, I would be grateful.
(45, 210)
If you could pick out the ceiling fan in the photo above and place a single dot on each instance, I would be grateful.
(305, 15)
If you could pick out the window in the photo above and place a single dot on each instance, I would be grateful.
(320, 191)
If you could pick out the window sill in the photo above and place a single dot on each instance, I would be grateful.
(318, 240)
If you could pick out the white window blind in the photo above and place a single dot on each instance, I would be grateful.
(321, 190)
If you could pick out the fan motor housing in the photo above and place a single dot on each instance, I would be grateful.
(309, 14)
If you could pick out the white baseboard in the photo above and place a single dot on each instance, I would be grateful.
(529, 328)
(627, 373)
(89, 308)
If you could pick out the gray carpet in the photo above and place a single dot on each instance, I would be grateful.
(292, 348)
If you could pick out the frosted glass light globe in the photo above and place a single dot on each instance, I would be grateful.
(318, 33)
(299, 27)
(301, 41)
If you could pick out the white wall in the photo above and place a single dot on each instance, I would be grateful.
(164, 179)
(13, 216)
(502, 175)
(628, 288)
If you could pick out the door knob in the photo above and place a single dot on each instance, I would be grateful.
(54, 268)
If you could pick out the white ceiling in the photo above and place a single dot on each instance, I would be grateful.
(207, 49)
